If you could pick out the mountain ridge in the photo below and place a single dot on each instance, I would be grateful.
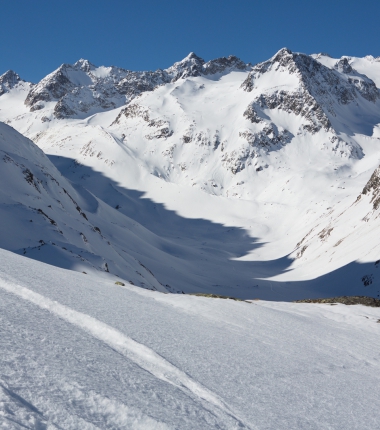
(110, 87)
(278, 151)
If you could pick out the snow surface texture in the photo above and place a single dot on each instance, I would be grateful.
(79, 351)
(220, 177)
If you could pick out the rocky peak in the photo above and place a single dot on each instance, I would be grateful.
(84, 65)
(304, 66)
(303, 97)
(343, 66)
(134, 83)
(364, 85)
(51, 88)
(193, 57)
(8, 80)
(190, 66)
(316, 91)
(219, 65)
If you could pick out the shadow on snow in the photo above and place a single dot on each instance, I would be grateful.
(198, 255)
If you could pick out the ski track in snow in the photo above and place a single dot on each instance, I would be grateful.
(18, 413)
(82, 353)
(140, 354)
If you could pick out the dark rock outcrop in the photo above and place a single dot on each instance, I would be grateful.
(373, 187)
(8, 81)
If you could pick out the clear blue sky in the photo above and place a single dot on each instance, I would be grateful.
(39, 35)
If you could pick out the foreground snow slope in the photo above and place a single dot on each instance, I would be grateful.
(82, 352)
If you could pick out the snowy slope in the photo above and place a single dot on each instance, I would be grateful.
(45, 218)
(82, 89)
(82, 352)
(368, 65)
(226, 165)
(118, 236)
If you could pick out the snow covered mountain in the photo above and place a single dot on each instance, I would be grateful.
(82, 88)
(227, 167)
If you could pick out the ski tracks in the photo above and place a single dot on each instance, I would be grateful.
(140, 354)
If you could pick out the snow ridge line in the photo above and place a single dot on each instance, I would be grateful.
(142, 355)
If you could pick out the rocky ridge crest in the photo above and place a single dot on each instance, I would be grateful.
(82, 88)
(319, 91)
(8, 81)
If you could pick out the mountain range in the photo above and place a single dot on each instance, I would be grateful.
(220, 176)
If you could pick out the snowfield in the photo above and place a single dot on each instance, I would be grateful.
(81, 352)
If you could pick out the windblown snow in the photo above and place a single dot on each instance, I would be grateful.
(221, 177)
(79, 351)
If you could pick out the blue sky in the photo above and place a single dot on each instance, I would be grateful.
(39, 35)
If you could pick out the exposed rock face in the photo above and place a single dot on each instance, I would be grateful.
(365, 86)
(221, 64)
(192, 65)
(160, 128)
(299, 103)
(78, 88)
(319, 88)
(52, 87)
(343, 66)
(270, 138)
(8, 80)
(373, 186)
(82, 88)
(135, 83)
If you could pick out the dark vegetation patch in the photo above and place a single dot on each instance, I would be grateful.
(346, 300)
(215, 296)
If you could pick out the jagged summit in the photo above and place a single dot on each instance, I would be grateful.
(343, 66)
(83, 88)
(193, 55)
(192, 65)
(84, 65)
(189, 66)
(191, 58)
(10, 76)
(299, 84)
(9, 80)
(222, 64)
